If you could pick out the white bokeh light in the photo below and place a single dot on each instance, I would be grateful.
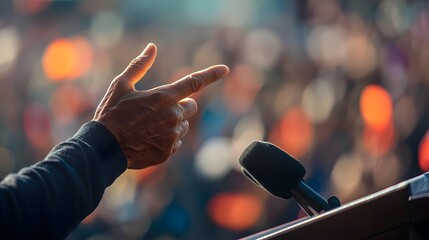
(213, 159)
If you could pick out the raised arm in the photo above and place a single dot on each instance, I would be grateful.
(130, 129)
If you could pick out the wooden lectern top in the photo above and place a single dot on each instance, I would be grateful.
(397, 212)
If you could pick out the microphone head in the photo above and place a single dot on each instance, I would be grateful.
(271, 168)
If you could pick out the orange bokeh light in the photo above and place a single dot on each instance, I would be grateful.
(376, 107)
(235, 211)
(294, 133)
(66, 59)
(424, 153)
(85, 57)
(59, 59)
(378, 143)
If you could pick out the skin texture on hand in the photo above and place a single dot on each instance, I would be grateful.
(148, 124)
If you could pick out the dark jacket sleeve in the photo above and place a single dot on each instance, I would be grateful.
(50, 198)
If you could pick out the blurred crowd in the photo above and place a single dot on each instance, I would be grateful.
(343, 86)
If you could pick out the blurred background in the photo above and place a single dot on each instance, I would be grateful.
(341, 85)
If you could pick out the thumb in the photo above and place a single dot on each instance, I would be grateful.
(138, 66)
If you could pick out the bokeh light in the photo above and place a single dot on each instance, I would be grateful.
(392, 18)
(321, 42)
(387, 171)
(67, 58)
(262, 48)
(340, 85)
(424, 153)
(206, 55)
(294, 133)
(346, 174)
(376, 107)
(248, 129)
(318, 100)
(85, 56)
(120, 194)
(60, 59)
(107, 28)
(10, 42)
(235, 211)
(360, 56)
(213, 159)
(378, 143)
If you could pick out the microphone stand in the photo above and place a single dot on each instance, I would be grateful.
(314, 203)
(309, 200)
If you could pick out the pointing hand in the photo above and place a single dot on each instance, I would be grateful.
(148, 124)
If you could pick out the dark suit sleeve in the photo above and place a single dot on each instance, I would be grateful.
(50, 198)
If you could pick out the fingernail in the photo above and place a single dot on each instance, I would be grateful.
(148, 49)
(223, 70)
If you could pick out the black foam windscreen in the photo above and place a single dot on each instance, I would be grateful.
(271, 168)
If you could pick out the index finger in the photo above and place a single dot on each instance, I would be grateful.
(196, 81)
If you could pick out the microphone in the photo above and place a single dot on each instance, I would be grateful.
(282, 175)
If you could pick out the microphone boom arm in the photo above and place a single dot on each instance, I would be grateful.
(307, 197)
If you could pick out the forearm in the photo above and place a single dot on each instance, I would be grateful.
(50, 198)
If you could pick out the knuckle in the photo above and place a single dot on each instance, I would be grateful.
(193, 106)
(137, 62)
(196, 82)
(178, 131)
(117, 80)
(162, 95)
(185, 128)
(185, 124)
(158, 95)
(174, 114)
(177, 111)
(177, 144)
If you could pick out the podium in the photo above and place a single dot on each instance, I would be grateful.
(398, 212)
